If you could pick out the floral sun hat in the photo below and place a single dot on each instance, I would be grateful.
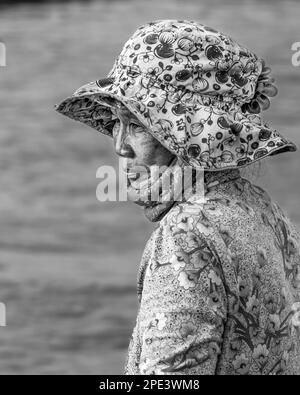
(196, 90)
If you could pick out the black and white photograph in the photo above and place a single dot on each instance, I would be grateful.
(149, 190)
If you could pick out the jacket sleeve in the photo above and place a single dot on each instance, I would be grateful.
(184, 306)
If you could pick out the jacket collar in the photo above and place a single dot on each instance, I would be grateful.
(211, 180)
(214, 178)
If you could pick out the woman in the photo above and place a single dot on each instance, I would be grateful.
(218, 283)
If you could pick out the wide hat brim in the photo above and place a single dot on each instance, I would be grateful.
(212, 139)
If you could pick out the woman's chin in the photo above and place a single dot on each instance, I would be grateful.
(139, 182)
(134, 196)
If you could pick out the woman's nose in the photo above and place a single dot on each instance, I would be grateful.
(121, 147)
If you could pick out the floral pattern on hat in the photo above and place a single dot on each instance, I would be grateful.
(196, 90)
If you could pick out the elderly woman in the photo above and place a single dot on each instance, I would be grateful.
(218, 284)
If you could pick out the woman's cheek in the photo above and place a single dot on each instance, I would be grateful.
(146, 149)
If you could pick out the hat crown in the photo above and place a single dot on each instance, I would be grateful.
(196, 91)
(188, 56)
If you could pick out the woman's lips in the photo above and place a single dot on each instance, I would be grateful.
(137, 178)
(133, 176)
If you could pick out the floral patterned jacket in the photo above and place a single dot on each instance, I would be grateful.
(218, 289)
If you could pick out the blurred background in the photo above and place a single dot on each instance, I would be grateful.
(68, 263)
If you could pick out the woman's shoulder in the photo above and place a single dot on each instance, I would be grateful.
(204, 214)
(190, 225)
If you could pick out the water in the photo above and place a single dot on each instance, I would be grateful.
(68, 263)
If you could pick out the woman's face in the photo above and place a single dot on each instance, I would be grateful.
(133, 142)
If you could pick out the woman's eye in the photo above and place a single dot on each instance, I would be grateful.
(135, 128)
